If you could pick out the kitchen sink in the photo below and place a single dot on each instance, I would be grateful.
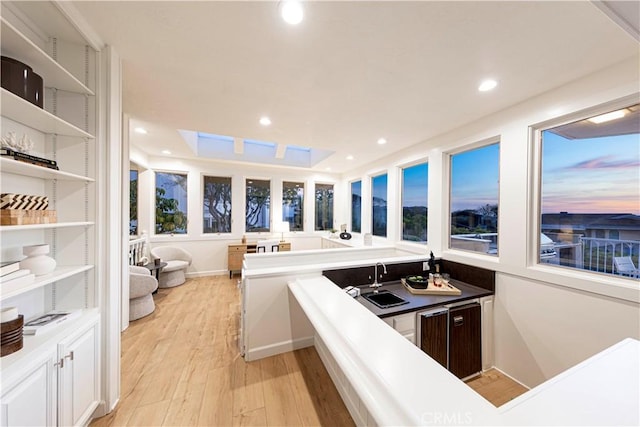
(385, 299)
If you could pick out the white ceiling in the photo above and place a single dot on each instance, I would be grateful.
(350, 73)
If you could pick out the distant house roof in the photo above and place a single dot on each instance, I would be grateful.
(625, 221)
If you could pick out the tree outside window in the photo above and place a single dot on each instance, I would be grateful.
(258, 199)
(324, 207)
(379, 205)
(293, 205)
(216, 205)
(356, 206)
(414, 203)
(171, 203)
(474, 200)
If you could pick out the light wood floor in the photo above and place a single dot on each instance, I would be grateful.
(180, 367)
(496, 387)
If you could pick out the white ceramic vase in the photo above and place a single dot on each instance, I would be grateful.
(37, 260)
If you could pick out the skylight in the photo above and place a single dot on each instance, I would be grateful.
(224, 147)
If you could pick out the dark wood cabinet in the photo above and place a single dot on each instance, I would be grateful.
(465, 344)
(433, 334)
(452, 337)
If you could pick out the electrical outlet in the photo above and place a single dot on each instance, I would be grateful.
(425, 265)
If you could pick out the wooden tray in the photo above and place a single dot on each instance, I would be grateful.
(26, 217)
(447, 289)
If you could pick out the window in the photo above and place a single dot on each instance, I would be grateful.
(133, 202)
(324, 207)
(590, 187)
(258, 205)
(414, 203)
(293, 205)
(474, 200)
(379, 204)
(171, 203)
(216, 205)
(356, 206)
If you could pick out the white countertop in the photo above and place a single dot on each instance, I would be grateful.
(401, 385)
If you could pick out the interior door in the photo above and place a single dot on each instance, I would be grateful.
(465, 341)
(433, 334)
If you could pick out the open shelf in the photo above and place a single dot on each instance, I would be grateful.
(15, 45)
(22, 111)
(17, 167)
(4, 228)
(58, 274)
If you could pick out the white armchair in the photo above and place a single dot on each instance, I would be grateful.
(177, 259)
(141, 285)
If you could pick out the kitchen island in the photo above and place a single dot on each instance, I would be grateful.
(385, 380)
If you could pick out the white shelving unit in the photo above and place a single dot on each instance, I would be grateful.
(44, 375)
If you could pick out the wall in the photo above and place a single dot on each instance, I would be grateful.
(546, 318)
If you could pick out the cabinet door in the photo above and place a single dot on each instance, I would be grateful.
(78, 379)
(465, 343)
(433, 335)
(32, 400)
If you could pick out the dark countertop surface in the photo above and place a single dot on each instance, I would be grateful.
(419, 302)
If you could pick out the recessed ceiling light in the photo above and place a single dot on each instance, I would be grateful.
(487, 85)
(166, 152)
(291, 11)
(141, 131)
(382, 141)
(608, 116)
(265, 121)
(349, 157)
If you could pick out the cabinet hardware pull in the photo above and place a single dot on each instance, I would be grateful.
(458, 320)
(69, 356)
(60, 363)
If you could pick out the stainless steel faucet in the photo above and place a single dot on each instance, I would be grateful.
(375, 285)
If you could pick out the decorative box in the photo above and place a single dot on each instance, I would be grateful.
(26, 217)
(23, 201)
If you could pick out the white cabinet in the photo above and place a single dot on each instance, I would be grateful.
(405, 324)
(30, 400)
(62, 388)
(55, 378)
(332, 244)
(78, 377)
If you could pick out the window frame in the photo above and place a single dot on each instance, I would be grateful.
(315, 205)
(386, 220)
(351, 206)
(401, 169)
(203, 177)
(244, 215)
(302, 185)
(446, 197)
(155, 186)
(610, 285)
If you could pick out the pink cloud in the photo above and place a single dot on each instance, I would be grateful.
(604, 162)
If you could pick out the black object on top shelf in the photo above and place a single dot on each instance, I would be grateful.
(19, 79)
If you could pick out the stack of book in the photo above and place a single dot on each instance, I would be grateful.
(12, 277)
(28, 158)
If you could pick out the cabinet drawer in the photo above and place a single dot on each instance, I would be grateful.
(404, 322)
(237, 249)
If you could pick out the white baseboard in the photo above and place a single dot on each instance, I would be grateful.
(207, 273)
(510, 377)
(277, 348)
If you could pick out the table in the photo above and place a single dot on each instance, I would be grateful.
(236, 254)
(157, 268)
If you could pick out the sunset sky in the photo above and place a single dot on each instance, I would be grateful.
(474, 178)
(598, 175)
